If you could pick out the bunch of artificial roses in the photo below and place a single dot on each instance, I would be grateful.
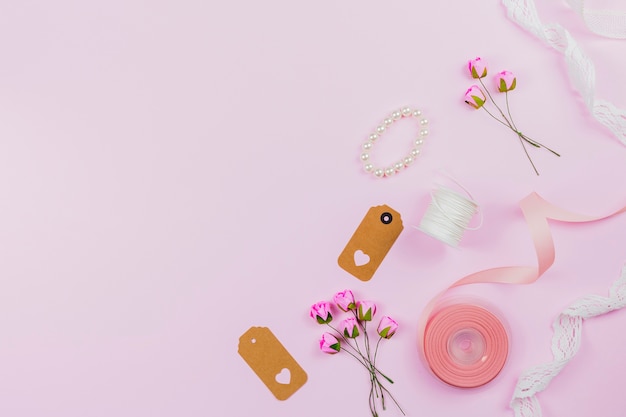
(505, 82)
(345, 338)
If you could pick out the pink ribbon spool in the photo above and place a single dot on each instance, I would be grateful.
(465, 345)
(537, 212)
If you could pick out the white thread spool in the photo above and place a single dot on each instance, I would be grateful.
(448, 215)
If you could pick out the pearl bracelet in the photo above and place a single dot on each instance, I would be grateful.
(405, 112)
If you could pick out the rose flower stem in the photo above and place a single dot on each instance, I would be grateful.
(374, 362)
(528, 139)
(394, 400)
(508, 109)
(364, 327)
(354, 356)
(543, 146)
(372, 400)
(371, 368)
(510, 124)
(510, 127)
(496, 104)
(525, 151)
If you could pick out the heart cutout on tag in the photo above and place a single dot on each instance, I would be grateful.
(361, 258)
(284, 376)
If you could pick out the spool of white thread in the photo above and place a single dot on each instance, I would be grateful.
(448, 215)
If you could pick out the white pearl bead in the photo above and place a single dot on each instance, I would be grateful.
(373, 137)
(379, 172)
(424, 132)
(406, 111)
(417, 113)
(415, 152)
(365, 156)
(380, 129)
(367, 145)
(390, 171)
(408, 160)
(399, 165)
(368, 167)
(396, 115)
(418, 142)
(387, 122)
(424, 122)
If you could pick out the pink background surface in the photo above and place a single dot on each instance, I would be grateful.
(173, 173)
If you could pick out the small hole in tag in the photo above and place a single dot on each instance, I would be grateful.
(386, 218)
(284, 376)
(361, 258)
(252, 340)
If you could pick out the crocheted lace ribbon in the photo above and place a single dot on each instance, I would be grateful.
(580, 68)
(565, 344)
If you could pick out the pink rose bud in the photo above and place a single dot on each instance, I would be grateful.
(329, 343)
(321, 312)
(349, 327)
(366, 310)
(475, 97)
(387, 327)
(506, 81)
(345, 300)
(477, 68)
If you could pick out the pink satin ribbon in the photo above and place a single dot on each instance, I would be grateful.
(465, 345)
(537, 211)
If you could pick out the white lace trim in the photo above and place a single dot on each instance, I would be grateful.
(580, 67)
(565, 344)
(609, 23)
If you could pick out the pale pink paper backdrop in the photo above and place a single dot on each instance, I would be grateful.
(173, 173)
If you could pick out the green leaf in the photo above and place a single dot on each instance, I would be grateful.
(513, 84)
(320, 320)
(368, 315)
(479, 101)
(384, 332)
(502, 87)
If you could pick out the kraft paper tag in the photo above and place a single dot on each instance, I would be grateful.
(269, 359)
(371, 242)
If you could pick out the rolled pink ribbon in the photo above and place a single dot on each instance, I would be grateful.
(466, 345)
(537, 211)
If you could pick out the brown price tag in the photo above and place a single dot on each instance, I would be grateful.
(371, 242)
(269, 359)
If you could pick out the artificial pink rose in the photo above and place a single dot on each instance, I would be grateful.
(345, 300)
(477, 68)
(329, 343)
(506, 81)
(387, 327)
(349, 327)
(321, 312)
(366, 310)
(475, 97)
